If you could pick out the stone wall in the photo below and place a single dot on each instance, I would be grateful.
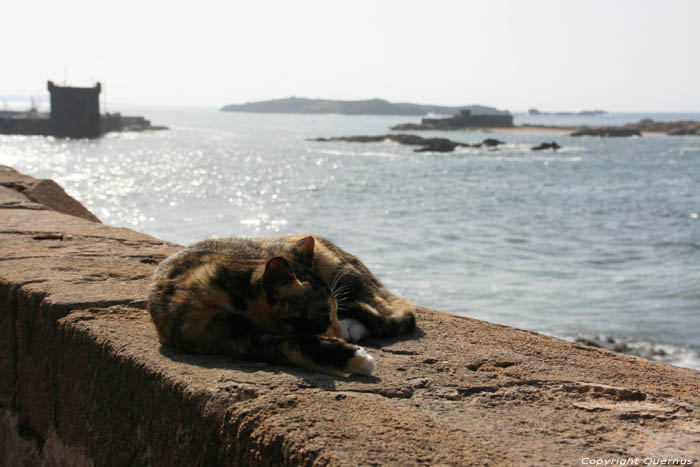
(85, 382)
(25, 126)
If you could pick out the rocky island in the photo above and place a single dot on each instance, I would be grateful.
(469, 117)
(301, 105)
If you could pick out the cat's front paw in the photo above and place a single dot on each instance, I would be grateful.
(352, 329)
(361, 363)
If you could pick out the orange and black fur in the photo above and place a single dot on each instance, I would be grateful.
(276, 300)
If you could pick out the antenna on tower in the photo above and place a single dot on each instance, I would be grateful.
(65, 75)
(104, 98)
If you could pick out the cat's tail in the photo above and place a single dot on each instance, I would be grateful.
(319, 353)
(402, 318)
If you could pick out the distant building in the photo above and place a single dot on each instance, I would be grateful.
(75, 112)
(465, 119)
(462, 121)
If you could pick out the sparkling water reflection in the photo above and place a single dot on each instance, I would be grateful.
(599, 240)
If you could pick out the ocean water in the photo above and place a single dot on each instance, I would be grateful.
(598, 241)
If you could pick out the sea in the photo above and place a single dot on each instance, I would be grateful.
(597, 242)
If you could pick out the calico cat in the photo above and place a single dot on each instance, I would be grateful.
(276, 300)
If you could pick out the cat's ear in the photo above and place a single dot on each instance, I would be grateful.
(277, 274)
(304, 250)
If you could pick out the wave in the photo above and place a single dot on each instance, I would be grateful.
(335, 152)
(689, 149)
(669, 244)
(682, 356)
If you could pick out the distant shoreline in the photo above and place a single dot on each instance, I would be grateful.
(531, 129)
(641, 128)
(544, 130)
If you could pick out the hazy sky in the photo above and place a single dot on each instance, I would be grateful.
(554, 55)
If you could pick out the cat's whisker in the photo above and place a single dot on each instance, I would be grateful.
(340, 290)
(342, 297)
(337, 279)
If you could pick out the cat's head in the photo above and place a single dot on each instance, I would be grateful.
(300, 301)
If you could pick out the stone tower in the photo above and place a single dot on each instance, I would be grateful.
(75, 112)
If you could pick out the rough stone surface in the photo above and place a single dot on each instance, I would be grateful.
(85, 382)
(49, 193)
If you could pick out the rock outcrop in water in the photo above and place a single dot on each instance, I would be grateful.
(489, 142)
(85, 381)
(426, 144)
(544, 146)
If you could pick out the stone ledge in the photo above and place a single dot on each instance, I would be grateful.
(88, 384)
(32, 192)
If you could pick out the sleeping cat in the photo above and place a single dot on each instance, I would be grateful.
(276, 300)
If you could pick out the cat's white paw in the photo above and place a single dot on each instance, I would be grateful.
(352, 329)
(362, 363)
